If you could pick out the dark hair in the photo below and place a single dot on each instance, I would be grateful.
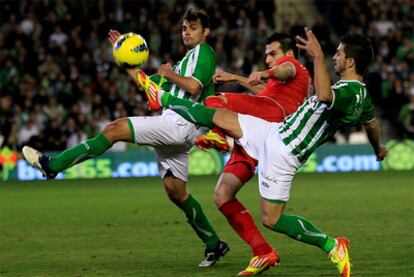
(287, 42)
(359, 48)
(194, 14)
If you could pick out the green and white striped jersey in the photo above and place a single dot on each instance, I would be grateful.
(198, 63)
(314, 122)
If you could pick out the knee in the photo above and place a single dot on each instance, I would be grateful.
(115, 130)
(223, 194)
(175, 190)
(269, 220)
(219, 101)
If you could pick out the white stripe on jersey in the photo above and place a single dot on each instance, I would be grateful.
(193, 60)
(298, 119)
(191, 67)
(176, 90)
(317, 136)
(174, 86)
(306, 128)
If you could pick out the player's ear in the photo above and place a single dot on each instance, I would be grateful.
(206, 32)
(350, 62)
(290, 53)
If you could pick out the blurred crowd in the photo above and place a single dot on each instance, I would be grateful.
(59, 85)
(390, 80)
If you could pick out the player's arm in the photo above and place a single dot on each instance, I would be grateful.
(188, 84)
(280, 72)
(224, 77)
(321, 77)
(373, 132)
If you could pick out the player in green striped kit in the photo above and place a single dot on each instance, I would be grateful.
(281, 148)
(170, 135)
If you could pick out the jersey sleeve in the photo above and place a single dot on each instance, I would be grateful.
(205, 66)
(342, 99)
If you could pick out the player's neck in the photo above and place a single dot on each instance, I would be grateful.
(189, 47)
(348, 75)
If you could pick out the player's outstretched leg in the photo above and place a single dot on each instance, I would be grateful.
(340, 256)
(51, 166)
(38, 160)
(261, 263)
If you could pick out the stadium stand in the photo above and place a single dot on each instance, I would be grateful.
(59, 85)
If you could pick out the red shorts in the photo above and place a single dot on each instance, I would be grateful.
(240, 163)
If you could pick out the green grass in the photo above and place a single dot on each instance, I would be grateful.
(127, 227)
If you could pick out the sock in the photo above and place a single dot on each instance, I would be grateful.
(91, 148)
(199, 222)
(191, 111)
(163, 97)
(301, 229)
(242, 222)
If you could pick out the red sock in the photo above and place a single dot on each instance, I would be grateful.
(242, 222)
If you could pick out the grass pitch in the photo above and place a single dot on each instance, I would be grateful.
(127, 227)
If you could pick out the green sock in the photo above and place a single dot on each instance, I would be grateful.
(301, 229)
(199, 222)
(91, 148)
(191, 111)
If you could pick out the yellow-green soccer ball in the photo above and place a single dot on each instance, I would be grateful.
(130, 51)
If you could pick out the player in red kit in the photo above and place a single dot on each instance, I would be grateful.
(289, 83)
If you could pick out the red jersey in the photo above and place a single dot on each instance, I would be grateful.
(277, 100)
(291, 93)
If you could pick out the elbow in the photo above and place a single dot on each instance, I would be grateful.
(325, 97)
(194, 89)
(257, 90)
(372, 125)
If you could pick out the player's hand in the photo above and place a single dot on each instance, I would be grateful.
(256, 78)
(223, 76)
(381, 153)
(164, 69)
(310, 44)
(113, 35)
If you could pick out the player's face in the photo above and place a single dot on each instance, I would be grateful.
(193, 33)
(273, 53)
(340, 61)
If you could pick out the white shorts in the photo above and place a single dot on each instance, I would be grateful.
(171, 136)
(277, 165)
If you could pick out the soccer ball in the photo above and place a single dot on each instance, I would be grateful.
(130, 50)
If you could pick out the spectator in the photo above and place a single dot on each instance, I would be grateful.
(57, 38)
(26, 132)
(54, 110)
(53, 136)
(46, 54)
